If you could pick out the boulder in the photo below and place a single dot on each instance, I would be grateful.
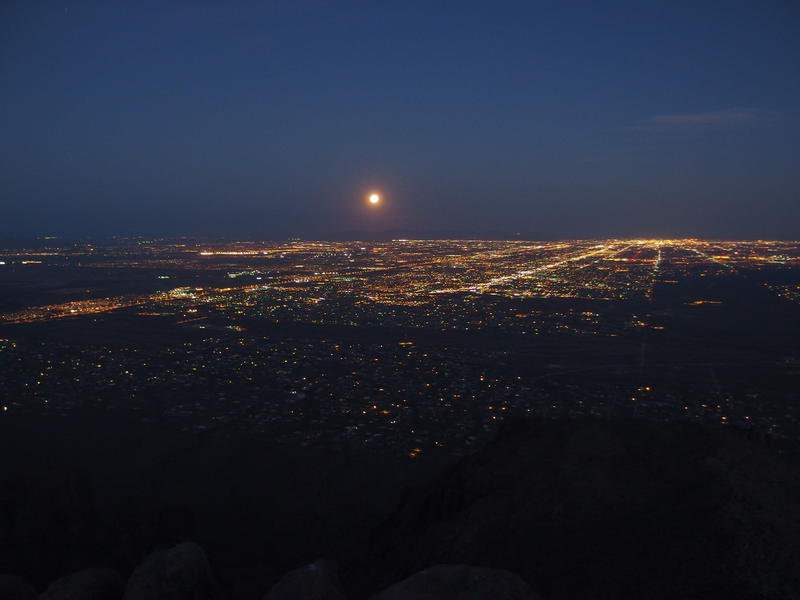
(459, 582)
(316, 581)
(88, 584)
(178, 573)
(14, 587)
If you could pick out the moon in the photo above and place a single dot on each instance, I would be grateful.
(374, 198)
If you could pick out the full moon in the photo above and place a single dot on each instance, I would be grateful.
(374, 198)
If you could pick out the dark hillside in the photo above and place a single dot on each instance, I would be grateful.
(611, 510)
(577, 509)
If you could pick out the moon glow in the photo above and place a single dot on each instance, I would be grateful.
(374, 198)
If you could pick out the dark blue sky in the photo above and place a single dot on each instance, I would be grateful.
(273, 119)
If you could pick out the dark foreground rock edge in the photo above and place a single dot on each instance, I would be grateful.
(589, 509)
(599, 509)
(182, 573)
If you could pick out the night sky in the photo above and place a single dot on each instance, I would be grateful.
(474, 119)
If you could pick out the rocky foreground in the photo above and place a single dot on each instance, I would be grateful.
(183, 573)
(557, 510)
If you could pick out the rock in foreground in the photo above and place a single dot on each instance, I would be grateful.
(13, 587)
(88, 584)
(317, 581)
(178, 573)
(459, 582)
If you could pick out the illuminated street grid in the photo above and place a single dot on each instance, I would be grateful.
(214, 370)
(260, 277)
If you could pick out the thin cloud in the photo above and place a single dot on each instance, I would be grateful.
(730, 116)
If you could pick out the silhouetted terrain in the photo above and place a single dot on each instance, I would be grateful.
(594, 509)
(577, 509)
